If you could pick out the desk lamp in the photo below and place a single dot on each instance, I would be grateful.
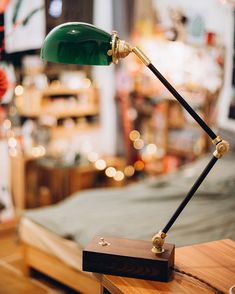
(85, 44)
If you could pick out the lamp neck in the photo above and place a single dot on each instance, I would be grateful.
(120, 48)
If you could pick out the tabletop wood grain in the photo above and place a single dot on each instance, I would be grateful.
(212, 266)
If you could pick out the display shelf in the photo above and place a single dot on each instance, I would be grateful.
(61, 113)
(62, 132)
(62, 110)
(57, 117)
(60, 91)
(59, 102)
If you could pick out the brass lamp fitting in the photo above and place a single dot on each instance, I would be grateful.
(216, 140)
(158, 241)
(221, 148)
(120, 48)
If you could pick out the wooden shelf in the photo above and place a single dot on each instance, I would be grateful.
(83, 111)
(58, 114)
(56, 91)
(62, 132)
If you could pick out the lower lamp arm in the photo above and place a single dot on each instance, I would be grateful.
(222, 147)
(158, 239)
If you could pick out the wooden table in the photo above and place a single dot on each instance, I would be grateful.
(212, 266)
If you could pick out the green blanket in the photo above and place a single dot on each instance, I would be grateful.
(138, 211)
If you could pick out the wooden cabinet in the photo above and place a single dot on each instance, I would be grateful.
(36, 184)
(59, 115)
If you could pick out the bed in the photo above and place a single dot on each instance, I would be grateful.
(53, 237)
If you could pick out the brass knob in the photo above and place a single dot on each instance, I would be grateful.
(103, 242)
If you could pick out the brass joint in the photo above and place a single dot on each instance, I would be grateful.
(222, 147)
(216, 140)
(120, 48)
(141, 56)
(158, 241)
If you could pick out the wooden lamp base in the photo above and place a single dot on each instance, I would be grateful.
(128, 258)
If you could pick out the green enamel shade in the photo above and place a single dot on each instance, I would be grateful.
(77, 43)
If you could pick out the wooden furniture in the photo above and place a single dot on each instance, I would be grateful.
(53, 267)
(212, 263)
(129, 258)
(13, 282)
(61, 104)
(203, 269)
(34, 186)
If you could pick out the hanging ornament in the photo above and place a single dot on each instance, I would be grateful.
(3, 83)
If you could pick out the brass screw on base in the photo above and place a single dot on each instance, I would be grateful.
(103, 242)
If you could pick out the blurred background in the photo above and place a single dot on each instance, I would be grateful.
(64, 128)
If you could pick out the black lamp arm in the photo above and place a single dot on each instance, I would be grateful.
(158, 239)
(182, 101)
(190, 194)
(175, 93)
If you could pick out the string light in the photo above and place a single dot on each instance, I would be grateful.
(139, 165)
(100, 164)
(119, 176)
(151, 149)
(19, 90)
(129, 171)
(7, 124)
(110, 172)
(134, 135)
(38, 151)
(138, 144)
(12, 142)
(55, 8)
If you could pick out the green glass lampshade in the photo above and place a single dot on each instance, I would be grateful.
(77, 43)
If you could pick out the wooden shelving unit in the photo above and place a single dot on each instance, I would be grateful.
(73, 112)
(80, 105)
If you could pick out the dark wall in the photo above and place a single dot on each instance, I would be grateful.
(72, 10)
